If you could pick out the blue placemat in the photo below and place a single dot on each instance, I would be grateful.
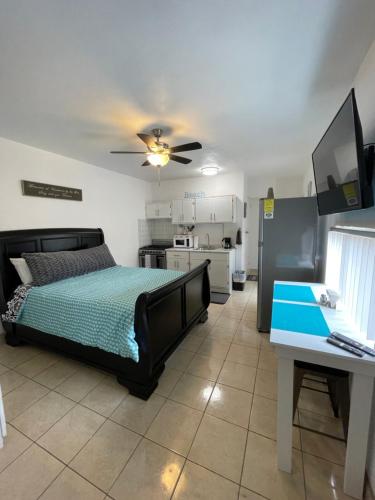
(295, 293)
(299, 318)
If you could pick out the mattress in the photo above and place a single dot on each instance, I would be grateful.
(96, 309)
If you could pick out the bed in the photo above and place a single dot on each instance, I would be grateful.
(162, 317)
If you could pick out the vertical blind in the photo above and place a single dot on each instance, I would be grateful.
(350, 270)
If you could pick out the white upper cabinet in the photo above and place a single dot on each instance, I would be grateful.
(177, 211)
(216, 209)
(188, 211)
(203, 209)
(151, 210)
(165, 211)
(160, 210)
(223, 209)
(213, 209)
(183, 211)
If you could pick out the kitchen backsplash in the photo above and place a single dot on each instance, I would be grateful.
(144, 232)
(163, 229)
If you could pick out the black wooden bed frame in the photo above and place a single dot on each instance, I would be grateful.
(163, 316)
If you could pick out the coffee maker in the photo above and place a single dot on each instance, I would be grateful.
(226, 242)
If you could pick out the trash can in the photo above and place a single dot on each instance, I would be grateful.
(239, 280)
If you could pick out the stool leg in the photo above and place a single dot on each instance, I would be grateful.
(298, 378)
(333, 396)
(344, 402)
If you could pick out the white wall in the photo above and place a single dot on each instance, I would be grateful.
(283, 187)
(216, 185)
(111, 200)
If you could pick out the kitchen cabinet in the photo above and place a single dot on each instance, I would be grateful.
(215, 209)
(178, 260)
(158, 210)
(223, 208)
(183, 211)
(220, 269)
(203, 210)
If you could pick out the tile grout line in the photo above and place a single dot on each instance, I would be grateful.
(247, 434)
(143, 436)
(200, 423)
(197, 430)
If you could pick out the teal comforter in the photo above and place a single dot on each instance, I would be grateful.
(96, 309)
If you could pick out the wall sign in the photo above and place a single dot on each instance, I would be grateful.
(200, 194)
(30, 188)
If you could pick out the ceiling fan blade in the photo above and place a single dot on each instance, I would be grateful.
(129, 152)
(179, 159)
(145, 163)
(147, 139)
(186, 147)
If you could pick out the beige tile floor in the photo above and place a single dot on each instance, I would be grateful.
(208, 431)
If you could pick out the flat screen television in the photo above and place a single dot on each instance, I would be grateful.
(342, 167)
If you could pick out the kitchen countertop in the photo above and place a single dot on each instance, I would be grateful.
(205, 250)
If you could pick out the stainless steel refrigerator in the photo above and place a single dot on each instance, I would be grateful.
(287, 248)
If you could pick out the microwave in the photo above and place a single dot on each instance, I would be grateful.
(183, 241)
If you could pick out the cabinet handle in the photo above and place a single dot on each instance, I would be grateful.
(214, 216)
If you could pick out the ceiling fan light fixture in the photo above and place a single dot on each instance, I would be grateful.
(158, 159)
(210, 170)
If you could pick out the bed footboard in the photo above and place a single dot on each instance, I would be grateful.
(164, 316)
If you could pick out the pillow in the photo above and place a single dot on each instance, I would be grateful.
(22, 269)
(49, 267)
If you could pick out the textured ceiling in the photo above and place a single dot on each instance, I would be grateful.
(255, 81)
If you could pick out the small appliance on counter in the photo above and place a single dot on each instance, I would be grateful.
(226, 243)
(183, 241)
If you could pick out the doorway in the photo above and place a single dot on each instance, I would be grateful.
(252, 230)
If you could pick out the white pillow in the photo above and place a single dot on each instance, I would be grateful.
(23, 270)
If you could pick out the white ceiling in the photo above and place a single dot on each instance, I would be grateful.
(255, 81)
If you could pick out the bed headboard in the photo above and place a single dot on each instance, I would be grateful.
(14, 243)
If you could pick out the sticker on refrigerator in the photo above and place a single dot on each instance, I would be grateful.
(350, 193)
(269, 205)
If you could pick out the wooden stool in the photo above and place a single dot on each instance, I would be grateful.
(338, 388)
(3, 428)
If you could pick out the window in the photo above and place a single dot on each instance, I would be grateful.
(350, 269)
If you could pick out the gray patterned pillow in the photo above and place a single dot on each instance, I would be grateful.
(48, 267)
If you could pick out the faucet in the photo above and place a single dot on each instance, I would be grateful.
(208, 240)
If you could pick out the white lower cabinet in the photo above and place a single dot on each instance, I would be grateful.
(220, 269)
(178, 261)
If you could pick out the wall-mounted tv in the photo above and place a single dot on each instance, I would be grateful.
(342, 168)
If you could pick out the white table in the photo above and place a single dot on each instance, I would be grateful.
(290, 346)
(3, 429)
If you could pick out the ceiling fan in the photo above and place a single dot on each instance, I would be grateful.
(159, 153)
